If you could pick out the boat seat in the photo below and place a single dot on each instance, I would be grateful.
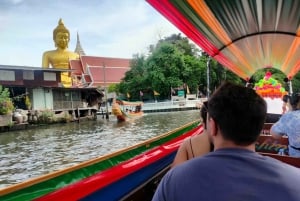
(266, 128)
(284, 158)
(269, 144)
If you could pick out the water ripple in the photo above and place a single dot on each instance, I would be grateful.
(34, 152)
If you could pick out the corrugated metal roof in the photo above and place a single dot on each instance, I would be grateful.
(31, 68)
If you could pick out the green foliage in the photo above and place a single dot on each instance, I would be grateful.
(276, 74)
(6, 104)
(46, 116)
(296, 83)
(113, 88)
(174, 62)
(165, 69)
(182, 44)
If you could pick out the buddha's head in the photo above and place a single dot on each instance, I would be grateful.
(61, 35)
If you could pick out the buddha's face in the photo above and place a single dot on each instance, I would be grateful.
(62, 40)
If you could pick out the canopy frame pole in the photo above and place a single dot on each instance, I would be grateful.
(290, 87)
(208, 75)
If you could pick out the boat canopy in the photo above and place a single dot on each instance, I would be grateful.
(243, 35)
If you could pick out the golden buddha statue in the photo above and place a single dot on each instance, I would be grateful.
(60, 57)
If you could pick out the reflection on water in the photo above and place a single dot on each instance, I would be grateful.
(31, 153)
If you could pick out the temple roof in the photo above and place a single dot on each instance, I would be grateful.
(113, 75)
(107, 61)
(243, 35)
(100, 71)
(79, 50)
(76, 67)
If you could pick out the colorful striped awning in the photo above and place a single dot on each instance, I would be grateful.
(243, 35)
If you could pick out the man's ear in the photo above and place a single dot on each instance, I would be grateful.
(213, 127)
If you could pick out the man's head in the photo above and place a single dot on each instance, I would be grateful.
(294, 101)
(61, 35)
(203, 113)
(285, 98)
(238, 113)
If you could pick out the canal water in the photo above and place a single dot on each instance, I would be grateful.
(30, 153)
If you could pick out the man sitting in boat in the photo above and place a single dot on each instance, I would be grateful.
(138, 108)
(233, 171)
(289, 124)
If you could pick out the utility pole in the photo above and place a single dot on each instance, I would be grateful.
(105, 93)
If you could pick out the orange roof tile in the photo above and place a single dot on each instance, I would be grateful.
(91, 70)
(76, 66)
(112, 75)
(107, 61)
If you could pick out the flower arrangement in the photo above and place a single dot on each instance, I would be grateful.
(269, 87)
(6, 104)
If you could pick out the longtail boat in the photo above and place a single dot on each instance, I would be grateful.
(125, 110)
(244, 43)
(129, 174)
(109, 177)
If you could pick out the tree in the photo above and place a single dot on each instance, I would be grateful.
(164, 68)
(171, 63)
(175, 62)
(135, 79)
(296, 83)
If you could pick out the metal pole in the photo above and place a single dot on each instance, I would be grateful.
(207, 73)
(105, 91)
(290, 87)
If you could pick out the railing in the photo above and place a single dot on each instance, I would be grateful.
(172, 105)
(165, 106)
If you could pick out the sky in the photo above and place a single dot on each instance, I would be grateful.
(106, 28)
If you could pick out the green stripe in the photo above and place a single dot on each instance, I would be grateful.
(40, 189)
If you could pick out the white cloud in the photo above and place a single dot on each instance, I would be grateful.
(106, 28)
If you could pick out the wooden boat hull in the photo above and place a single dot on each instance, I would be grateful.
(125, 114)
(118, 181)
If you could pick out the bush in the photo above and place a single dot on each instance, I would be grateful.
(6, 104)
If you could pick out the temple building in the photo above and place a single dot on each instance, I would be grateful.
(94, 71)
(69, 82)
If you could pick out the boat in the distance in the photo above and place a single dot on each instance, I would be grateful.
(125, 110)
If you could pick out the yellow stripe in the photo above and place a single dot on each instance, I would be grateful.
(208, 17)
(294, 47)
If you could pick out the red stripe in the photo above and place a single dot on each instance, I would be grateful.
(89, 185)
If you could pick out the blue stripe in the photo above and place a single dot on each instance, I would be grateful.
(122, 187)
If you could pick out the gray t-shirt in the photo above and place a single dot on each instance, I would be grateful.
(230, 175)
